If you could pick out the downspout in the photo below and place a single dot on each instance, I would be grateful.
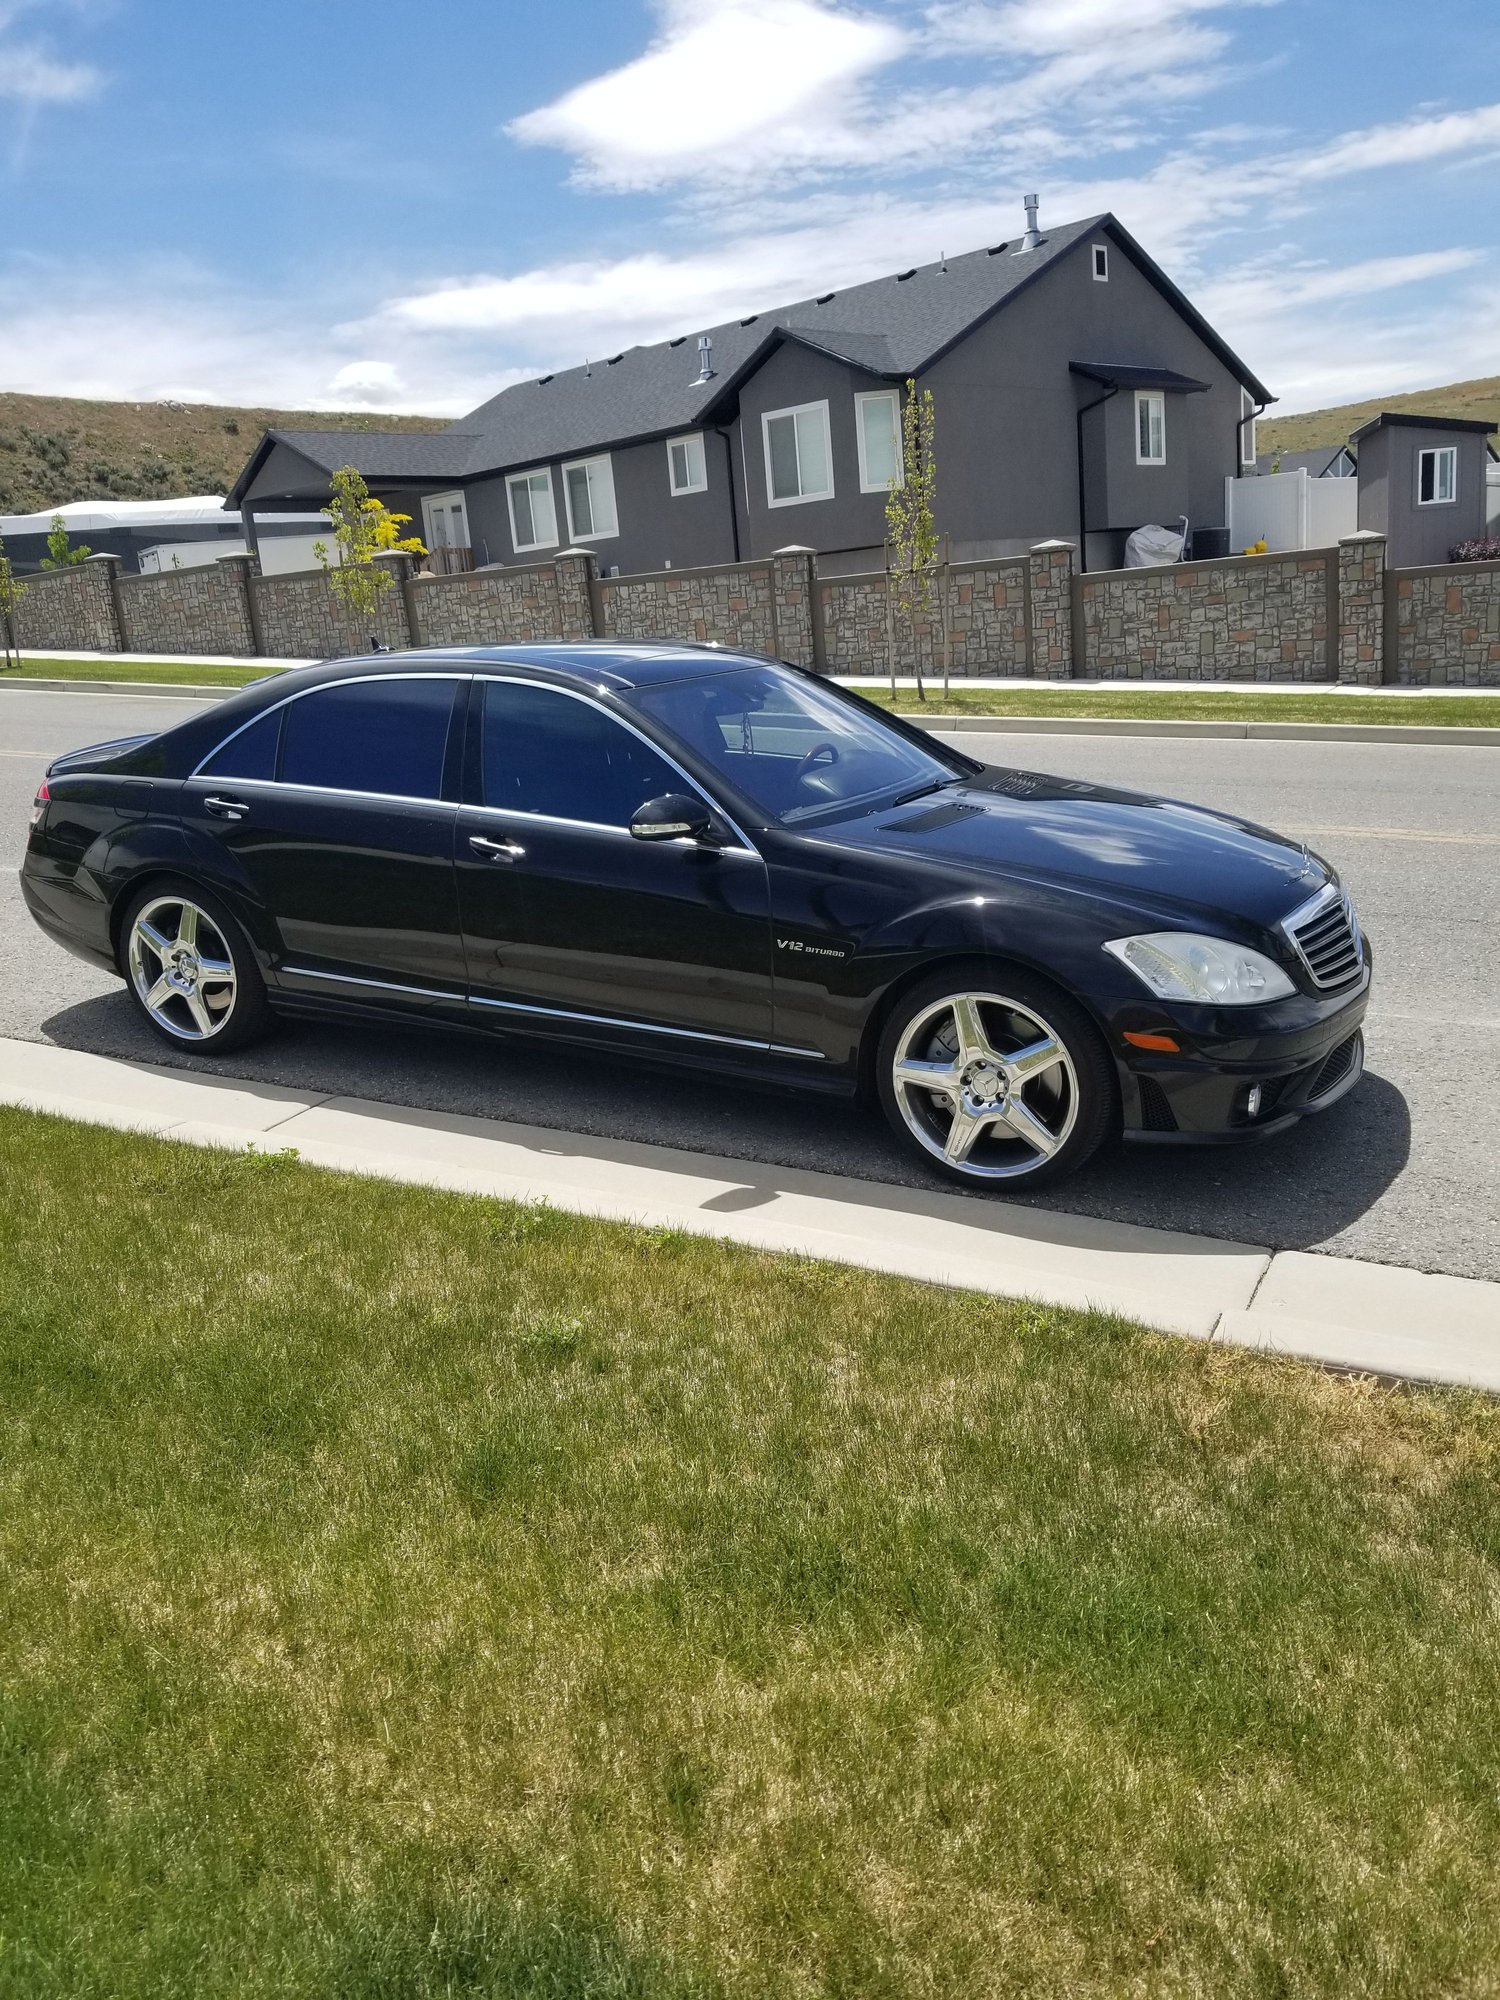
(1083, 533)
(734, 512)
(1247, 417)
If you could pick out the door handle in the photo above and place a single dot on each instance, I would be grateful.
(226, 808)
(496, 850)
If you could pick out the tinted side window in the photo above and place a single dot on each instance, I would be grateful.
(370, 736)
(550, 753)
(251, 754)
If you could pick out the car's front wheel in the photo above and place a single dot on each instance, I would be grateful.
(996, 1076)
(190, 969)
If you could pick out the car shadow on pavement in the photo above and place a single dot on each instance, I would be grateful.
(1292, 1192)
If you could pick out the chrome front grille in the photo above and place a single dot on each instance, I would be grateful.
(1325, 936)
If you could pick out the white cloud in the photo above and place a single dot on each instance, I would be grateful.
(30, 76)
(740, 80)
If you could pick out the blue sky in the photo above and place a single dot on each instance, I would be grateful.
(320, 204)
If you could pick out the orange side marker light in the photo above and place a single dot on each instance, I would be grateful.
(1168, 1044)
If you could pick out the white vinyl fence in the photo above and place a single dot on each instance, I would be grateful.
(1289, 510)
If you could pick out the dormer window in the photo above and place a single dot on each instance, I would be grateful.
(1101, 263)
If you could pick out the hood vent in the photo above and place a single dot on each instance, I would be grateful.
(932, 817)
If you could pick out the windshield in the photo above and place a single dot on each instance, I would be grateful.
(795, 749)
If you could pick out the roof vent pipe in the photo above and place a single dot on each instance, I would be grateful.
(1033, 237)
(705, 359)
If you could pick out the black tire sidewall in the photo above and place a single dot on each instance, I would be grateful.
(250, 1016)
(1098, 1087)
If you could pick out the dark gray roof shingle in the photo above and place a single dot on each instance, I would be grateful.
(892, 327)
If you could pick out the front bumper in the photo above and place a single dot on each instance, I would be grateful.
(1240, 1075)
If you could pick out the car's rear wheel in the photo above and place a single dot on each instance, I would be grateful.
(996, 1077)
(190, 969)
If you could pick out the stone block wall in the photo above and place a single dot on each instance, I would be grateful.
(1308, 616)
(1446, 626)
(69, 609)
(732, 606)
(487, 607)
(186, 611)
(301, 619)
(1361, 587)
(1244, 618)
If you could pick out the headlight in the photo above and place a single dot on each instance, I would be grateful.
(1180, 965)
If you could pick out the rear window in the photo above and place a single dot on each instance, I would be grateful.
(251, 754)
(386, 736)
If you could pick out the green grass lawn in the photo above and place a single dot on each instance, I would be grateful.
(1212, 705)
(174, 673)
(403, 1594)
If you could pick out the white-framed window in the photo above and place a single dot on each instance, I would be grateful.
(877, 425)
(1437, 476)
(533, 510)
(1150, 427)
(799, 461)
(1101, 263)
(589, 489)
(1247, 428)
(687, 468)
(446, 521)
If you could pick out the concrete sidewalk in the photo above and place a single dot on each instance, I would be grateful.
(1332, 1310)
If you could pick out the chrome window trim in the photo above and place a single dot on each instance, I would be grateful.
(385, 985)
(645, 1027)
(331, 792)
(576, 694)
(301, 694)
(405, 798)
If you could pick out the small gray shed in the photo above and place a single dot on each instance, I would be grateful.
(1422, 483)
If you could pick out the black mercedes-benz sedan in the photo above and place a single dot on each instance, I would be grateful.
(722, 860)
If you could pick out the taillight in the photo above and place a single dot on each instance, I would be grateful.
(39, 803)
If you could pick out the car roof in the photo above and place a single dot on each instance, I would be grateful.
(590, 662)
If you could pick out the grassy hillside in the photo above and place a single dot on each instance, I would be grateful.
(59, 448)
(1319, 427)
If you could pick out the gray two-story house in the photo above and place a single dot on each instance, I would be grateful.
(1077, 393)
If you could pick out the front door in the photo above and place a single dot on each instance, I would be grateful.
(330, 814)
(573, 925)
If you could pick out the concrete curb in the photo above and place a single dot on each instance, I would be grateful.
(1312, 732)
(1454, 735)
(189, 690)
(1364, 1317)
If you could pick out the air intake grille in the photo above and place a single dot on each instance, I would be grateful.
(1157, 1114)
(1335, 1068)
(1326, 935)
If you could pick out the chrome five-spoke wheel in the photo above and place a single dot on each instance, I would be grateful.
(986, 1085)
(182, 968)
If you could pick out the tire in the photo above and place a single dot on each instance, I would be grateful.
(946, 1053)
(190, 970)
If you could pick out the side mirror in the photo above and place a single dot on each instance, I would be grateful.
(675, 816)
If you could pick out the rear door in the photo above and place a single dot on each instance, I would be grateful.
(572, 924)
(336, 811)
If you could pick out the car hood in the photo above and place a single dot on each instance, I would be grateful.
(1129, 844)
(96, 756)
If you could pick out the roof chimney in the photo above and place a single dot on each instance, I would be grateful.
(705, 359)
(1033, 237)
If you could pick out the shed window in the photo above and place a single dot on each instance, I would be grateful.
(686, 466)
(1437, 476)
(1150, 427)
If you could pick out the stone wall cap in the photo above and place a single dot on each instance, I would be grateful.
(1046, 548)
(562, 554)
(794, 549)
(104, 558)
(1361, 535)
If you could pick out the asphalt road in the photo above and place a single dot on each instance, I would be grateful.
(1405, 1171)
